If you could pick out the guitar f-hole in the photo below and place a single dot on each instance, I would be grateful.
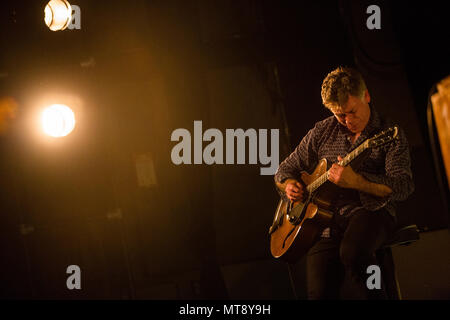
(285, 239)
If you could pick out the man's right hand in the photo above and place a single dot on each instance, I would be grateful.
(294, 190)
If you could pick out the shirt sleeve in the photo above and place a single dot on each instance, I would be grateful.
(303, 158)
(397, 176)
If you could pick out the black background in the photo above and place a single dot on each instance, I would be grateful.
(145, 68)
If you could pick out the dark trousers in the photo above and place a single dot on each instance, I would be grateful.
(336, 267)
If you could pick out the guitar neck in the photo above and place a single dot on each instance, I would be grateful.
(344, 162)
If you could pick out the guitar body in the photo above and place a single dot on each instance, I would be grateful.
(289, 241)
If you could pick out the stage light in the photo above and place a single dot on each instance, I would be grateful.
(58, 14)
(58, 120)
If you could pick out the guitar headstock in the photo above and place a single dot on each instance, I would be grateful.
(384, 137)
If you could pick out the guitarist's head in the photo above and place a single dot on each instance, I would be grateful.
(344, 92)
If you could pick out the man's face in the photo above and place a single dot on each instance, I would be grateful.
(355, 113)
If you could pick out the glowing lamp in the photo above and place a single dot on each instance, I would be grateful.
(58, 120)
(58, 14)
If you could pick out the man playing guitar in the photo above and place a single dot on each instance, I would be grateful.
(364, 217)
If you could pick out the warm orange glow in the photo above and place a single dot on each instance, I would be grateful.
(8, 109)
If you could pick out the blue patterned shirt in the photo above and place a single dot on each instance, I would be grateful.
(328, 139)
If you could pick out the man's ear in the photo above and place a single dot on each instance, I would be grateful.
(367, 96)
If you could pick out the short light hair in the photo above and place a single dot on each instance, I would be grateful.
(339, 84)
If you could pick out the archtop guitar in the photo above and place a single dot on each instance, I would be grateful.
(297, 226)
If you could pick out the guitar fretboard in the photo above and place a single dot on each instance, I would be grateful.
(347, 159)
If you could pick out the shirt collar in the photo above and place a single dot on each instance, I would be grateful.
(372, 126)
